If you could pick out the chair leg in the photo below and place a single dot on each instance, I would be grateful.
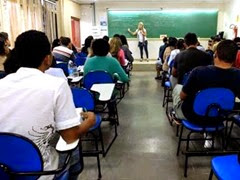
(229, 135)
(177, 130)
(101, 140)
(98, 159)
(164, 96)
(188, 140)
(186, 165)
(179, 141)
(210, 175)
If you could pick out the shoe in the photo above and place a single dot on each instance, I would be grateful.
(141, 60)
(158, 77)
(147, 60)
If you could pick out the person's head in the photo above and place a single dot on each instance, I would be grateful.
(115, 45)
(216, 39)
(3, 47)
(140, 26)
(100, 47)
(226, 51)
(106, 38)
(123, 40)
(4, 35)
(172, 41)
(237, 41)
(190, 39)
(66, 41)
(55, 43)
(180, 44)
(88, 41)
(32, 49)
(116, 35)
(165, 40)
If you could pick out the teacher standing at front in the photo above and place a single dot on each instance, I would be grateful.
(141, 33)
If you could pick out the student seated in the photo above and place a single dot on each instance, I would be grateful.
(100, 61)
(37, 105)
(237, 62)
(116, 50)
(64, 52)
(187, 60)
(87, 44)
(4, 51)
(221, 74)
(125, 48)
(160, 61)
(172, 43)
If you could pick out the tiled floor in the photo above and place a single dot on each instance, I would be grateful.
(146, 146)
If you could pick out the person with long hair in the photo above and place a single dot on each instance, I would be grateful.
(4, 51)
(125, 48)
(116, 50)
(141, 33)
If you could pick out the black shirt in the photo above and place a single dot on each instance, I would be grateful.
(206, 77)
(187, 60)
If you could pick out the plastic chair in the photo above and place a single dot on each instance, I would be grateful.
(80, 59)
(210, 104)
(225, 167)
(96, 77)
(64, 67)
(21, 159)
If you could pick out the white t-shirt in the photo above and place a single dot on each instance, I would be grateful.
(36, 105)
(141, 37)
(57, 72)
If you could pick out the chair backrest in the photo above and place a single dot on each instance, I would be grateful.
(64, 67)
(96, 77)
(212, 101)
(185, 77)
(83, 98)
(80, 59)
(19, 154)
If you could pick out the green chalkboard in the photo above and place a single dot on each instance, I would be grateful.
(173, 23)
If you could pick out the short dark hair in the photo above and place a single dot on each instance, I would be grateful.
(4, 35)
(180, 44)
(165, 39)
(172, 41)
(100, 47)
(227, 51)
(31, 47)
(191, 39)
(55, 43)
(124, 40)
(106, 38)
(2, 45)
(116, 35)
(65, 41)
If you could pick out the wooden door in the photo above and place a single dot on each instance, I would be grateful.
(75, 22)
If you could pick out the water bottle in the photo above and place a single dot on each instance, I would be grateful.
(72, 69)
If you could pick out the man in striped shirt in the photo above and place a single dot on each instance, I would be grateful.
(64, 52)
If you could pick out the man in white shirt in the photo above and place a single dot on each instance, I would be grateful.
(37, 105)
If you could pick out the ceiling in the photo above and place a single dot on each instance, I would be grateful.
(167, 1)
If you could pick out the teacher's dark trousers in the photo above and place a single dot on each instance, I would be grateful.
(143, 45)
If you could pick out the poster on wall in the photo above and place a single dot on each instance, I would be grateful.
(96, 32)
(103, 26)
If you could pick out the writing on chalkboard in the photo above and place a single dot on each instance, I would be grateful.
(173, 23)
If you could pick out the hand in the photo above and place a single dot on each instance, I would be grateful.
(129, 30)
(89, 117)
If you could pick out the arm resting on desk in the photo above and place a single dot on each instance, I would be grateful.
(72, 134)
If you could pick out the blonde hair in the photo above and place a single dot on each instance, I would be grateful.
(115, 45)
(140, 24)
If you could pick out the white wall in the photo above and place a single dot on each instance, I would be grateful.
(232, 10)
(101, 13)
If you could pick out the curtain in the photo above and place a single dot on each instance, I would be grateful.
(17, 16)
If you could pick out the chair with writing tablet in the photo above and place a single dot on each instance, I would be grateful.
(21, 159)
(213, 106)
(101, 77)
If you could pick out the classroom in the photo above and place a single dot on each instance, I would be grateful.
(120, 90)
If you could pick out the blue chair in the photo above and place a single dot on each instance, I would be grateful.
(96, 77)
(225, 167)
(80, 59)
(21, 159)
(64, 67)
(210, 104)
